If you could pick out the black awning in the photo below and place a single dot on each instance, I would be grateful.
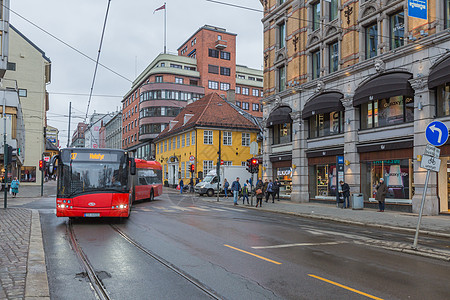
(440, 74)
(322, 104)
(280, 115)
(384, 86)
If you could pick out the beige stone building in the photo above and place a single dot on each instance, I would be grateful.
(359, 81)
(31, 69)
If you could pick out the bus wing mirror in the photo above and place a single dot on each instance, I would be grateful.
(52, 166)
(132, 166)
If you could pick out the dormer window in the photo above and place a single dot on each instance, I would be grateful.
(172, 124)
(187, 117)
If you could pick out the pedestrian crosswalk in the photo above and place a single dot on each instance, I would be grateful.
(174, 209)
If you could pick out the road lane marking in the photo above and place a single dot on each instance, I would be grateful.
(345, 287)
(218, 209)
(297, 245)
(181, 208)
(198, 208)
(255, 255)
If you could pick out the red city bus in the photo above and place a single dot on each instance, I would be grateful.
(147, 183)
(100, 182)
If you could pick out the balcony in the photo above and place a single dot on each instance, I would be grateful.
(221, 44)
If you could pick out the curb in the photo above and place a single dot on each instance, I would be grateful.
(36, 282)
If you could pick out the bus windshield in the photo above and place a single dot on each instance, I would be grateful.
(86, 176)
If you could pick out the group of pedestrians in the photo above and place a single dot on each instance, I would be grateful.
(262, 189)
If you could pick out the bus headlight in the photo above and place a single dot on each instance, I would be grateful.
(121, 205)
(63, 206)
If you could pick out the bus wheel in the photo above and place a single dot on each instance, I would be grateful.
(152, 196)
(210, 192)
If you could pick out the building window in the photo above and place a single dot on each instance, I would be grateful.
(179, 80)
(333, 9)
(238, 90)
(182, 169)
(178, 142)
(224, 86)
(315, 59)
(22, 92)
(158, 79)
(281, 78)
(193, 138)
(176, 66)
(165, 146)
(213, 53)
(213, 85)
(397, 29)
(245, 106)
(443, 100)
(255, 107)
(213, 69)
(208, 137)
(188, 139)
(371, 40)
(227, 138)
(447, 13)
(11, 66)
(238, 103)
(174, 143)
(183, 141)
(225, 55)
(227, 163)
(255, 92)
(333, 59)
(326, 124)
(224, 71)
(282, 35)
(245, 139)
(245, 91)
(316, 16)
(386, 112)
(208, 165)
(282, 133)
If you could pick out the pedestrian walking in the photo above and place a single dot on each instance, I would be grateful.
(235, 188)
(259, 192)
(245, 193)
(15, 187)
(266, 185)
(181, 186)
(226, 185)
(381, 194)
(345, 194)
(191, 185)
(276, 189)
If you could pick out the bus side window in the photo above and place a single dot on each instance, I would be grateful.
(142, 181)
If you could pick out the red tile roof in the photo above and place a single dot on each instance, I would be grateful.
(211, 111)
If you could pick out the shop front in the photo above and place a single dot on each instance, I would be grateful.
(443, 180)
(394, 163)
(322, 174)
(282, 170)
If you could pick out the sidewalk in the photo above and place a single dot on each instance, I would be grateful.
(23, 273)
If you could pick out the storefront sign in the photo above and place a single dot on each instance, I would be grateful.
(433, 151)
(430, 163)
(417, 9)
(284, 172)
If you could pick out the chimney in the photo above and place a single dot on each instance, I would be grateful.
(231, 96)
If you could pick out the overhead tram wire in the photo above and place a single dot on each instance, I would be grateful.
(98, 58)
(63, 42)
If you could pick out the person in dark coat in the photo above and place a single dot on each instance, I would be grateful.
(259, 196)
(191, 185)
(276, 189)
(381, 194)
(235, 188)
(345, 193)
(181, 186)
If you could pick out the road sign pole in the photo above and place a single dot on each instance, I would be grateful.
(416, 237)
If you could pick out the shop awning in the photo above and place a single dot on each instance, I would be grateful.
(384, 86)
(322, 104)
(440, 74)
(280, 115)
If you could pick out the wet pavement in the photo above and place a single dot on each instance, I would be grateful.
(23, 272)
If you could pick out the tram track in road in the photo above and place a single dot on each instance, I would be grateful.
(94, 280)
(167, 264)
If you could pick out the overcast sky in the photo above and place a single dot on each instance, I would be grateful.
(133, 38)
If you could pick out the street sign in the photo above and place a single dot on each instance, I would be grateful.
(95, 146)
(417, 9)
(254, 148)
(47, 158)
(191, 159)
(430, 163)
(431, 150)
(436, 133)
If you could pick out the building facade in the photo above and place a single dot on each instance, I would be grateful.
(92, 131)
(359, 80)
(78, 136)
(31, 69)
(113, 132)
(205, 62)
(197, 134)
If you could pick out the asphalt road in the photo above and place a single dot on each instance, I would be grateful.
(235, 253)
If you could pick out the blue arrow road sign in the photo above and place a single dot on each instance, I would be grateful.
(436, 133)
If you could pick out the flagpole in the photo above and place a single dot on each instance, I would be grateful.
(165, 28)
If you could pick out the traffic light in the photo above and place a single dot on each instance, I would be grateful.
(9, 155)
(41, 165)
(249, 165)
(255, 165)
(192, 168)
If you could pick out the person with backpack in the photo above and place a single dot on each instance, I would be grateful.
(225, 187)
(269, 191)
(245, 193)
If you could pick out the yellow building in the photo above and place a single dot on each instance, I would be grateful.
(198, 132)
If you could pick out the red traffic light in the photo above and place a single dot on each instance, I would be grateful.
(254, 161)
(192, 168)
(41, 165)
